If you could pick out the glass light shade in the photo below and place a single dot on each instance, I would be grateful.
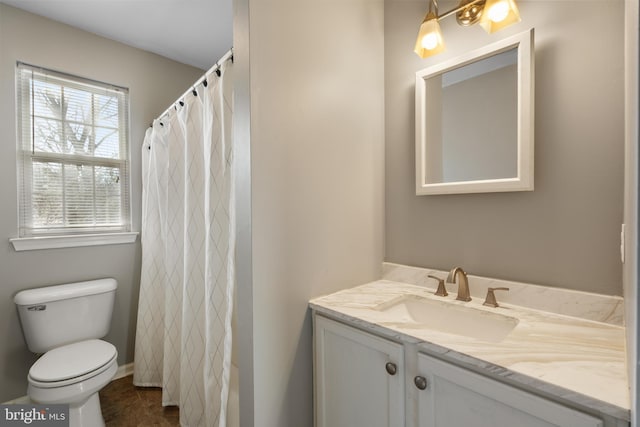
(499, 14)
(430, 41)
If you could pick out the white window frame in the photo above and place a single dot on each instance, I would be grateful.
(64, 235)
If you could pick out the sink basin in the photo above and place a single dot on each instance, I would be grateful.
(417, 312)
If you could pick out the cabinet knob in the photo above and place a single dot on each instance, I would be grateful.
(420, 382)
(391, 368)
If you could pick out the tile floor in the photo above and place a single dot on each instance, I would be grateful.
(125, 405)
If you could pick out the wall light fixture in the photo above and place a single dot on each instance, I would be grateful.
(492, 15)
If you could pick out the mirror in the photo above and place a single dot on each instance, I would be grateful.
(474, 121)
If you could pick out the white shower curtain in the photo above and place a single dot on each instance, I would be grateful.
(183, 336)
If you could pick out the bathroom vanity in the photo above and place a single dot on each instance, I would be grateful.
(391, 353)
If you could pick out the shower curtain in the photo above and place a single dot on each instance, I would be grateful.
(183, 336)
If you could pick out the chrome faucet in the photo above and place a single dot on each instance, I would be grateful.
(463, 283)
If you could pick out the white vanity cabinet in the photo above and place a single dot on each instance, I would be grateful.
(457, 397)
(359, 378)
(365, 380)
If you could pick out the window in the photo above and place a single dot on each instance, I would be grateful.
(73, 154)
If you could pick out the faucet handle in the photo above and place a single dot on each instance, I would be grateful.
(490, 300)
(441, 291)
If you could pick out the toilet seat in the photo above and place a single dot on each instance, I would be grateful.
(72, 363)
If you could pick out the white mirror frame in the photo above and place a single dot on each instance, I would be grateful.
(525, 159)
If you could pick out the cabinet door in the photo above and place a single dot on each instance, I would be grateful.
(456, 397)
(359, 378)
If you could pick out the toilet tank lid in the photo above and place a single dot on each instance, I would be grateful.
(60, 292)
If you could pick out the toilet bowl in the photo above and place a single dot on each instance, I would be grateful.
(73, 375)
(65, 323)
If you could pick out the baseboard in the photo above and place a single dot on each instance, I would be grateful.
(22, 400)
(122, 372)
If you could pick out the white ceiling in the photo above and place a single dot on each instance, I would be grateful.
(194, 32)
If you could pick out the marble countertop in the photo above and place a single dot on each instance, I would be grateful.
(577, 361)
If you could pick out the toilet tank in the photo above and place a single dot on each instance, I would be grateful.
(57, 315)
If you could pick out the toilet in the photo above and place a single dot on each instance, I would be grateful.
(65, 324)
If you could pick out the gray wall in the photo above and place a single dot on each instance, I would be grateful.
(566, 232)
(154, 83)
(317, 190)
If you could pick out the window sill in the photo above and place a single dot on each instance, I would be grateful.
(77, 240)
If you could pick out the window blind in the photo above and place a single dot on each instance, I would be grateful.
(73, 154)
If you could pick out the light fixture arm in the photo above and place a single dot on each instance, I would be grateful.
(433, 8)
(458, 9)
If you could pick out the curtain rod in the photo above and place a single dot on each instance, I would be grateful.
(214, 68)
